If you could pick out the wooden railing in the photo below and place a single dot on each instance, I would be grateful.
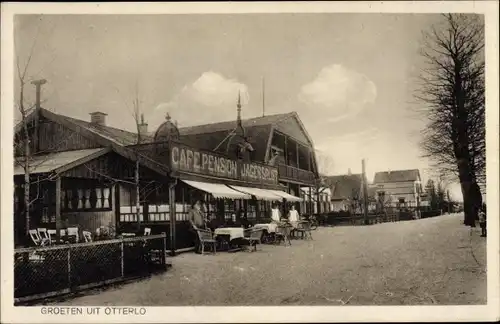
(286, 172)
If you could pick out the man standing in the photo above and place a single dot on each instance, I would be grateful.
(482, 222)
(197, 221)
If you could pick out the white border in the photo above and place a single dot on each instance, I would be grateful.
(252, 314)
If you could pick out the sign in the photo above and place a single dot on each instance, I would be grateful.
(184, 158)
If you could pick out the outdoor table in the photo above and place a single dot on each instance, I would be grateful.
(269, 227)
(230, 236)
(232, 232)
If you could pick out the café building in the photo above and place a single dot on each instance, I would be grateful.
(237, 169)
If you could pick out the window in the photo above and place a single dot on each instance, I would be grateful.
(264, 209)
(229, 209)
(86, 199)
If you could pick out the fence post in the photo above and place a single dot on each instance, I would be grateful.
(69, 267)
(164, 252)
(122, 259)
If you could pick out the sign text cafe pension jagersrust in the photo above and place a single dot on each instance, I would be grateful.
(183, 158)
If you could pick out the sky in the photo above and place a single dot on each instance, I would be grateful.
(350, 77)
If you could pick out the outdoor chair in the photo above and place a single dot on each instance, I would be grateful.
(73, 233)
(147, 231)
(35, 237)
(87, 236)
(304, 228)
(52, 235)
(283, 234)
(206, 237)
(42, 232)
(253, 236)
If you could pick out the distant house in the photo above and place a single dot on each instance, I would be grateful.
(346, 191)
(401, 188)
(324, 195)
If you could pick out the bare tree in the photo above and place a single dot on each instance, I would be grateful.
(325, 168)
(139, 120)
(23, 141)
(452, 90)
(325, 164)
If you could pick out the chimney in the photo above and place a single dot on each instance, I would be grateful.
(143, 127)
(38, 85)
(98, 118)
(349, 171)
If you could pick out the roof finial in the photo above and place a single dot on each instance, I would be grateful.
(168, 118)
(238, 118)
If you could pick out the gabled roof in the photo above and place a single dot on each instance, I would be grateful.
(230, 125)
(116, 135)
(120, 136)
(54, 161)
(345, 186)
(104, 136)
(397, 176)
(258, 129)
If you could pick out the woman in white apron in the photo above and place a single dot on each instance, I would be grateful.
(293, 216)
(275, 215)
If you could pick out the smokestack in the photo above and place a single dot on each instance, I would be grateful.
(38, 85)
(143, 126)
(238, 117)
(98, 118)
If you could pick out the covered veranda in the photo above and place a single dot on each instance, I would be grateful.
(77, 188)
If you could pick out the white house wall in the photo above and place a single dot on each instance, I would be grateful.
(398, 190)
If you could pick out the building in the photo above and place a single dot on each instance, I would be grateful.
(279, 140)
(400, 188)
(346, 191)
(86, 172)
(76, 171)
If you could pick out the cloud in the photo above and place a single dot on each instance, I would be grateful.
(338, 92)
(213, 89)
(205, 100)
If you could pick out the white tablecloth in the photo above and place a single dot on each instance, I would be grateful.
(233, 232)
(270, 227)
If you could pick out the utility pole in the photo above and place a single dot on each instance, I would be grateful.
(38, 88)
(263, 97)
(365, 192)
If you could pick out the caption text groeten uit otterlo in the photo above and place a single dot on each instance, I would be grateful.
(58, 310)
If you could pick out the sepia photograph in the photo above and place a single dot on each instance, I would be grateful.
(249, 158)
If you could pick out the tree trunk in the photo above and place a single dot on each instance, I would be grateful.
(27, 198)
(471, 194)
(27, 152)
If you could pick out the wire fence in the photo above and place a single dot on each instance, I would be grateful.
(390, 215)
(43, 272)
(184, 236)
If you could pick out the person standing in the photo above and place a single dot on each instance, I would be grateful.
(275, 214)
(293, 216)
(482, 222)
(197, 221)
